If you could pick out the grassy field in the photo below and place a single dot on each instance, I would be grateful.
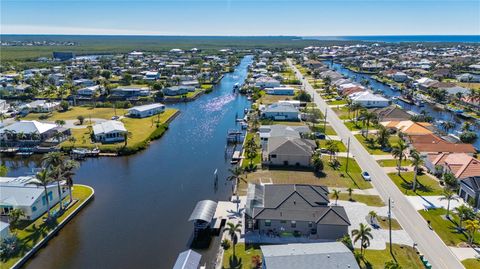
(337, 102)
(328, 130)
(426, 185)
(393, 163)
(471, 263)
(341, 146)
(74, 112)
(342, 112)
(276, 122)
(141, 132)
(406, 257)
(376, 149)
(30, 233)
(447, 230)
(244, 256)
(383, 222)
(268, 99)
(359, 126)
(370, 200)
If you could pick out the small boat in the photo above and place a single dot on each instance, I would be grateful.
(236, 86)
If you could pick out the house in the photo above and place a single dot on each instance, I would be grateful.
(30, 132)
(89, 91)
(151, 75)
(470, 190)
(295, 209)
(399, 77)
(4, 106)
(285, 150)
(146, 110)
(130, 92)
(83, 82)
(109, 131)
(178, 90)
(266, 82)
(4, 230)
(467, 77)
(391, 113)
(325, 255)
(409, 127)
(461, 165)
(432, 144)
(40, 106)
(368, 99)
(268, 131)
(281, 111)
(20, 193)
(188, 259)
(280, 91)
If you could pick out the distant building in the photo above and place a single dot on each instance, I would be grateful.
(369, 100)
(280, 91)
(146, 110)
(63, 56)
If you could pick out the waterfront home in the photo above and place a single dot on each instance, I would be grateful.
(178, 90)
(409, 127)
(146, 110)
(391, 113)
(469, 78)
(327, 255)
(285, 151)
(109, 131)
(432, 145)
(266, 82)
(281, 112)
(470, 190)
(30, 132)
(83, 82)
(40, 106)
(268, 131)
(280, 91)
(399, 77)
(4, 230)
(19, 192)
(294, 209)
(130, 92)
(151, 75)
(188, 259)
(368, 99)
(461, 165)
(89, 91)
(4, 106)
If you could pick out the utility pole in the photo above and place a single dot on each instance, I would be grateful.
(348, 154)
(325, 122)
(390, 223)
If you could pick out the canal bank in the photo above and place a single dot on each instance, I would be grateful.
(438, 115)
(139, 216)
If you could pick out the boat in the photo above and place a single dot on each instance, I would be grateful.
(405, 100)
(236, 157)
(80, 153)
(236, 86)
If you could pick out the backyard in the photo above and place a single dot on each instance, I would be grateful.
(426, 186)
(74, 112)
(406, 257)
(243, 254)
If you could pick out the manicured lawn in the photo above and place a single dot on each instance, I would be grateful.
(406, 256)
(337, 102)
(393, 163)
(342, 112)
(267, 99)
(375, 149)
(446, 229)
(244, 256)
(383, 222)
(141, 130)
(258, 159)
(353, 178)
(359, 126)
(328, 130)
(341, 146)
(32, 232)
(74, 112)
(471, 263)
(275, 122)
(188, 95)
(426, 185)
(370, 200)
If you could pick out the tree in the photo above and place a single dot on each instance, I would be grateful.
(336, 195)
(67, 172)
(468, 137)
(464, 212)
(332, 148)
(372, 214)
(367, 118)
(398, 153)
(447, 125)
(355, 107)
(317, 163)
(251, 150)
(392, 265)
(64, 105)
(80, 119)
(416, 162)
(449, 196)
(347, 241)
(3, 170)
(53, 162)
(232, 230)
(350, 191)
(236, 175)
(14, 217)
(72, 140)
(43, 179)
(60, 122)
(471, 226)
(363, 233)
(383, 136)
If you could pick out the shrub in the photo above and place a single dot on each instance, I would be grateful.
(225, 244)
(64, 105)
(468, 137)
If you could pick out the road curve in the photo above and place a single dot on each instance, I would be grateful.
(429, 243)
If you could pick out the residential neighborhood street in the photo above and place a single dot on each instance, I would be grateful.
(438, 254)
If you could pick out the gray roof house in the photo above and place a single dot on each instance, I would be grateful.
(285, 151)
(178, 90)
(281, 111)
(470, 190)
(188, 259)
(294, 209)
(326, 255)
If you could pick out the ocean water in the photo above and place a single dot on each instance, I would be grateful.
(402, 38)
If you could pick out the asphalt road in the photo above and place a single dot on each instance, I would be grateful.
(428, 242)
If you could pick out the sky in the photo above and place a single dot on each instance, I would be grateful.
(241, 17)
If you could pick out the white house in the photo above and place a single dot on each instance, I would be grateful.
(280, 91)
(151, 75)
(368, 99)
(4, 230)
(89, 91)
(281, 111)
(399, 77)
(21, 193)
(146, 110)
(40, 106)
(266, 82)
(109, 131)
(30, 131)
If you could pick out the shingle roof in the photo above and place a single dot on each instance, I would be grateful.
(290, 146)
(472, 182)
(29, 127)
(108, 126)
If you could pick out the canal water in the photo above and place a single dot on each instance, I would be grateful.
(138, 218)
(438, 114)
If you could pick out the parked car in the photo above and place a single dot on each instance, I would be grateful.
(319, 135)
(366, 176)
(115, 117)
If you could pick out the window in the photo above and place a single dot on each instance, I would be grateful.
(268, 223)
(294, 224)
(283, 221)
(273, 156)
(310, 224)
(34, 208)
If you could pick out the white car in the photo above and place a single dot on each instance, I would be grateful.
(366, 176)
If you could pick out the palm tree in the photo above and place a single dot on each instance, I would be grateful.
(398, 152)
(416, 162)
(43, 179)
(383, 136)
(336, 195)
(471, 226)
(372, 214)
(72, 140)
(368, 117)
(53, 162)
(364, 235)
(236, 174)
(350, 191)
(464, 212)
(332, 148)
(251, 150)
(447, 125)
(232, 230)
(317, 162)
(14, 216)
(67, 173)
(449, 196)
(356, 108)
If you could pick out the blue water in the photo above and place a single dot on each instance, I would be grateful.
(142, 202)
(437, 114)
(403, 38)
